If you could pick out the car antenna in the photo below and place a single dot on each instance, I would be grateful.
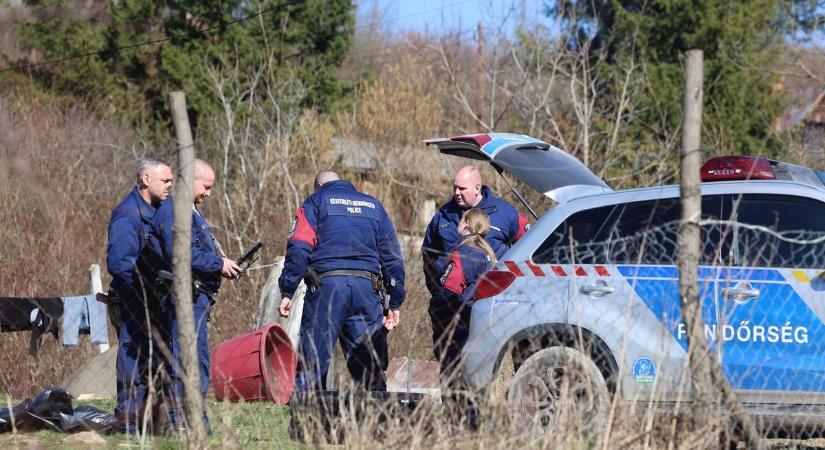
(521, 199)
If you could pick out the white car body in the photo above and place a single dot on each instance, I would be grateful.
(764, 323)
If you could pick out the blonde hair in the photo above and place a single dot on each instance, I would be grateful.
(478, 224)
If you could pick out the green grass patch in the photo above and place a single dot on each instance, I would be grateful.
(245, 425)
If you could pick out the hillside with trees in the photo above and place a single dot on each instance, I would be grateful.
(273, 85)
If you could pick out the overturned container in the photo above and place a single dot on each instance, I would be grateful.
(257, 366)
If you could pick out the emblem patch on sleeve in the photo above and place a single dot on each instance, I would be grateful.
(292, 230)
(446, 274)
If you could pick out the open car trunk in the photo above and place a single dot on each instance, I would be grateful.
(547, 169)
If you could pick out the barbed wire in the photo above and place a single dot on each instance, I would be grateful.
(783, 236)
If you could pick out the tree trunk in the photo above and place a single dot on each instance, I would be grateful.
(182, 268)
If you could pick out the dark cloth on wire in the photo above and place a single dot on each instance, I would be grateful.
(40, 315)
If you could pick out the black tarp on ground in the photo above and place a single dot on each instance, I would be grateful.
(52, 410)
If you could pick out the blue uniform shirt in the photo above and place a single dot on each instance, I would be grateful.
(206, 264)
(462, 269)
(132, 250)
(339, 228)
(507, 225)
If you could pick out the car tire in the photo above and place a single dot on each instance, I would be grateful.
(559, 387)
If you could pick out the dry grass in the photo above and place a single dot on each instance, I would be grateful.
(64, 168)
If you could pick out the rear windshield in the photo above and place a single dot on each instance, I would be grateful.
(821, 175)
(785, 171)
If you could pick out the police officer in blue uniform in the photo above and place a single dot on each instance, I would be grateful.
(347, 244)
(131, 258)
(450, 308)
(207, 269)
(451, 303)
(507, 225)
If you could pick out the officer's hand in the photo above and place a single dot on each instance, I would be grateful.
(286, 305)
(392, 319)
(230, 268)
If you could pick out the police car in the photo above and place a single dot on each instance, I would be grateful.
(588, 299)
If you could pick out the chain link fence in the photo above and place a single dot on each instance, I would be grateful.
(605, 284)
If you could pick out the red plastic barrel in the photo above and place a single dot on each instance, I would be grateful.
(256, 366)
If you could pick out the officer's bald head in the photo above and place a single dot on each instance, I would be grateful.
(203, 170)
(325, 177)
(204, 180)
(467, 187)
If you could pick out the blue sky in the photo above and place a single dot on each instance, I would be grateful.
(435, 15)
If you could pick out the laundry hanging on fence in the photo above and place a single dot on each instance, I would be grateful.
(84, 315)
(40, 315)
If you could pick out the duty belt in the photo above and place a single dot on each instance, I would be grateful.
(199, 286)
(313, 279)
(347, 272)
(165, 282)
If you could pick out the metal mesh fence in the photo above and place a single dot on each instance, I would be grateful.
(615, 302)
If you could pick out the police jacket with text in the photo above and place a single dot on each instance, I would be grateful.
(507, 225)
(462, 269)
(339, 228)
(132, 252)
(206, 263)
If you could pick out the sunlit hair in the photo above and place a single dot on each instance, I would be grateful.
(147, 164)
(478, 224)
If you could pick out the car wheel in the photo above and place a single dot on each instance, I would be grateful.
(559, 386)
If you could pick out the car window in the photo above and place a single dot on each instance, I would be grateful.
(795, 221)
(716, 237)
(581, 239)
(639, 232)
(646, 233)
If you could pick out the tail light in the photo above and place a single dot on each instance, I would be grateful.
(493, 283)
(726, 168)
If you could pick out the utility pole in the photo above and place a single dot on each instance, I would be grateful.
(182, 269)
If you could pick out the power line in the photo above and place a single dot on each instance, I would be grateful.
(393, 47)
(207, 29)
(420, 13)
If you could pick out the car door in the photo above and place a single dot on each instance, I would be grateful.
(643, 309)
(773, 300)
(576, 244)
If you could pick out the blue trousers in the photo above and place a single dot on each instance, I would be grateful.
(451, 329)
(134, 363)
(343, 308)
(175, 390)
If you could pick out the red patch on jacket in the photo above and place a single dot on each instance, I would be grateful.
(523, 225)
(302, 230)
(453, 277)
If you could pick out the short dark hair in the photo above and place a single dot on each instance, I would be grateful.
(146, 164)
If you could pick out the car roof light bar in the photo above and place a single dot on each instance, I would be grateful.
(727, 168)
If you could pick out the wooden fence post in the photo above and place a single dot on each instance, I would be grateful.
(182, 269)
(710, 388)
(97, 287)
